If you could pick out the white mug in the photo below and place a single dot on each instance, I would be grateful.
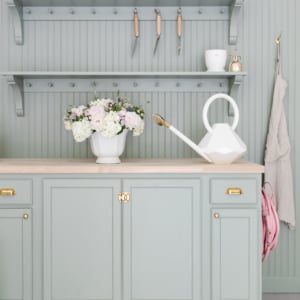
(215, 60)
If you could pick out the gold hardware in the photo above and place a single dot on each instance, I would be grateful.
(234, 191)
(25, 216)
(160, 121)
(124, 197)
(7, 192)
(216, 216)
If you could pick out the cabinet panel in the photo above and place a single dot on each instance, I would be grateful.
(162, 239)
(220, 190)
(82, 239)
(15, 254)
(235, 254)
(21, 190)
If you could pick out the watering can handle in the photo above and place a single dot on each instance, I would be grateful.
(209, 102)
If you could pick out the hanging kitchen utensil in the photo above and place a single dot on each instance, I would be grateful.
(179, 30)
(158, 29)
(221, 145)
(136, 29)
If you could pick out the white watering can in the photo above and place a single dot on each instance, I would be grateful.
(221, 145)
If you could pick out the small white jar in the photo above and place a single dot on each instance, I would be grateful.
(215, 60)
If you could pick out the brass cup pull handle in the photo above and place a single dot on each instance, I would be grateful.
(234, 191)
(7, 192)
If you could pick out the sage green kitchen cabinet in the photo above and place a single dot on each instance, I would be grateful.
(131, 236)
(161, 241)
(235, 237)
(15, 254)
(82, 239)
(235, 255)
(83, 242)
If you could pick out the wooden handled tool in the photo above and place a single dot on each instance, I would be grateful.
(179, 30)
(136, 29)
(158, 29)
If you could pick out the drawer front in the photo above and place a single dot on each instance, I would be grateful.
(233, 190)
(15, 191)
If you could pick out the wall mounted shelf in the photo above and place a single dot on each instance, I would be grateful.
(30, 10)
(32, 82)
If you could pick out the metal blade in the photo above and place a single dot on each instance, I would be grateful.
(179, 45)
(134, 46)
(156, 44)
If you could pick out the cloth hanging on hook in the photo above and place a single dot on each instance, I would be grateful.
(278, 169)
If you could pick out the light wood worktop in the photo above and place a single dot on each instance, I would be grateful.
(196, 165)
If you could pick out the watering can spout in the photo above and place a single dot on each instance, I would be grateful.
(159, 120)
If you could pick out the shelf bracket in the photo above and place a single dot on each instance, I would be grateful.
(17, 85)
(16, 8)
(234, 14)
(234, 85)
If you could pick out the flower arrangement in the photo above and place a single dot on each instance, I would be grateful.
(110, 117)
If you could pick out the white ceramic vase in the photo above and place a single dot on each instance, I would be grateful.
(215, 60)
(108, 149)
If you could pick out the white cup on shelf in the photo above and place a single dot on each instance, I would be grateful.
(215, 60)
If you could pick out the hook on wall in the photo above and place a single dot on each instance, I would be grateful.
(278, 40)
(278, 43)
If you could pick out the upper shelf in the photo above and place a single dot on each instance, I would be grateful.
(30, 82)
(44, 75)
(71, 10)
(132, 3)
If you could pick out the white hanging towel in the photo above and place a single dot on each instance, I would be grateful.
(278, 169)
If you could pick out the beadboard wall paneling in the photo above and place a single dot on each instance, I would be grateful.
(106, 46)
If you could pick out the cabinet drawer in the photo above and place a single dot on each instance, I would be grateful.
(15, 191)
(233, 191)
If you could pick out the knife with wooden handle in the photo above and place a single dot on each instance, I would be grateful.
(136, 29)
(158, 29)
(179, 30)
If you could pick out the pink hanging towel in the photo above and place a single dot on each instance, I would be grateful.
(270, 225)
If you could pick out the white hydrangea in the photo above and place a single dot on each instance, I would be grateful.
(101, 102)
(78, 110)
(111, 124)
(81, 130)
(135, 123)
(139, 129)
(68, 124)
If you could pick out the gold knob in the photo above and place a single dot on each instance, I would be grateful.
(234, 191)
(25, 216)
(124, 197)
(7, 192)
(216, 216)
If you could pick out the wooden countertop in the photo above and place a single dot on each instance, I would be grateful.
(196, 165)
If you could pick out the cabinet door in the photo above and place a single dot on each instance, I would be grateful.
(82, 248)
(162, 239)
(236, 256)
(15, 254)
